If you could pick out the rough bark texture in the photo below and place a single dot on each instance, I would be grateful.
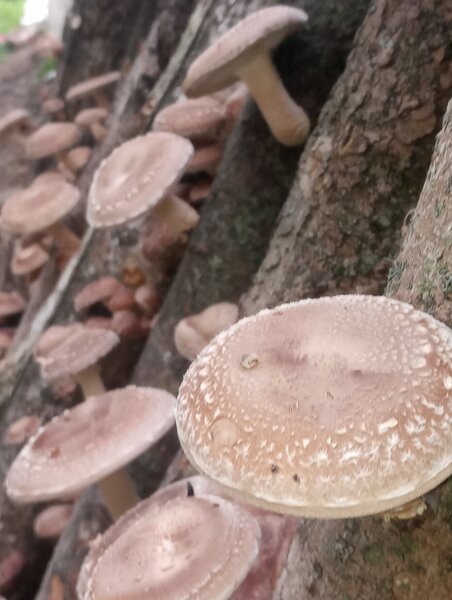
(97, 36)
(365, 164)
(368, 558)
(238, 218)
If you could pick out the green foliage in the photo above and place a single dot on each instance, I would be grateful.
(48, 65)
(10, 14)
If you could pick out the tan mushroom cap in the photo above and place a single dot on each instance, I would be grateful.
(193, 333)
(77, 158)
(333, 407)
(194, 119)
(11, 303)
(51, 522)
(38, 207)
(89, 86)
(89, 442)
(135, 177)
(89, 116)
(98, 290)
(15, 118)
(29, 258)
(52, 138)
(53, 105)
(172, 551)
(216, 68)
(81, 348)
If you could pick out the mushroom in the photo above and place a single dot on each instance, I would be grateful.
(77, 158)
(52, 521)
(193, 333)
(28, 258)
(11, 304)
(53, 139)
(99, 290)
(54, 107)
(89, 444)
(199, 192)
(39, 208)
(136, 178)
(12, 126)
(178, 550)
(244, 52)
(92, 118)
(75, 350)
(206, 158)
(199, 120)
(331, 408)
(96, 87)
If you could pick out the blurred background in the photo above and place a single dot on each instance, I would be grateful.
(14, 13)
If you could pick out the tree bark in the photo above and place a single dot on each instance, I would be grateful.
(98, 35)
(368, 558)
(365, 164)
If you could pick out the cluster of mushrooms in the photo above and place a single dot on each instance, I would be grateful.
(328, 408)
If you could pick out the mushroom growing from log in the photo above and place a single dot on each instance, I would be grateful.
(331, 408)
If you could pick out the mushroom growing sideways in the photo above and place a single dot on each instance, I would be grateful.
(335, 407)
(172, 550)
(136, 178)
(75, 350)
(244, 52)
(92, 443)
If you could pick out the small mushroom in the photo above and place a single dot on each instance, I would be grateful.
(51, 522)
(19, 431)
(351, 394)
(75, 350)
(244, 52)
(13, 125)
(89, 444)
(11, 303)
(206, 159)
(96, 87)
(54, 107)
(193, 333)
(28, 259)
(180, 556)
(92, 118)
(99, 290)
(77, 158)
(53, 139)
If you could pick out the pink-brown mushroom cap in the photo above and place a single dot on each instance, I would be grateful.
(38, 207)
(14, 119)
(98, 290)
(135, 177)
(80, 348)
(172, 551)
(52, 138)
(335, 407)
(216, 67)
(193, 119)
(11, 303)
(29, 258)
(89, 442)
(52, 521)
(89, 116)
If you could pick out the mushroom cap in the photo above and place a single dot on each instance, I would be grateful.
(171, 551)
(81, 348)
(38, 207)
(193, 333)
(135, 177)
(11, 303)
(89, 86)
(51, 522)
(259, 32)
(193, 119)
(52, 138)
(89, 442)
(335, 407)
(96, 291)
(29, 258)
(13, 119)
(77, 158)
(88, 116)
(53, 105)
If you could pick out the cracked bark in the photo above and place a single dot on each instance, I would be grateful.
(368, 558)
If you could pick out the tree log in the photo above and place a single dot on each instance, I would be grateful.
(368, 558)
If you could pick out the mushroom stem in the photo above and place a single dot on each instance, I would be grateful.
(178, 215)
(67, 242)
(288, 122)
(90, 381)
(119, 493)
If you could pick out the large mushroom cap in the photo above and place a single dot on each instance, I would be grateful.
(38, 207)
(216, 68)
(135, 177)
(333, 407)
(172, 551)
(81, 348)
(52, 138)
(90, 86)
(87, 443)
